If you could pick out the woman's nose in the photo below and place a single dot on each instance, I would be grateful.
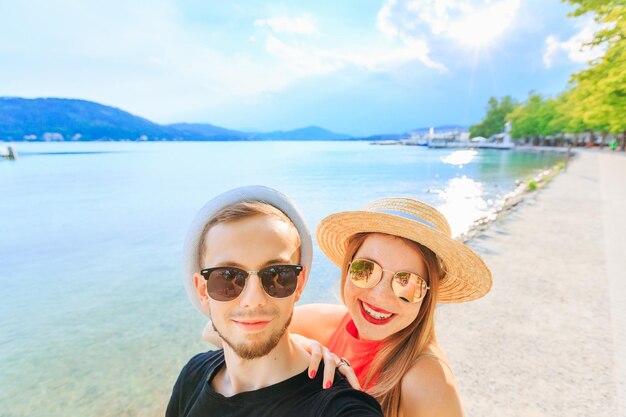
(382, 290)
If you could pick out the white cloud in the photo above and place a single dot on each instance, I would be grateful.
(300, 25)
(384, 19)
(574, 47)
(395, 23)
(153, 62)
(147, 60)
(471, 22)
(304, 59)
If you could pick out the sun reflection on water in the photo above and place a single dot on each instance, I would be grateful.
(463, 202)
(460, 158)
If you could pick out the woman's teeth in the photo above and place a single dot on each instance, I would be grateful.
(376, 314)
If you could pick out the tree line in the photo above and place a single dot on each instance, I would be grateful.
(594, 102)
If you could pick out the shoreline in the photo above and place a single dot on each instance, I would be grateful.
(550, 338)
(523, 190)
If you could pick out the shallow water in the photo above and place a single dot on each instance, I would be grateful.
(94, 320)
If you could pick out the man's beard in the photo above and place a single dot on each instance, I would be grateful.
(259, 349)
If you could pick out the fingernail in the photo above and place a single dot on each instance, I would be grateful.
(329, 384)
(312, 374)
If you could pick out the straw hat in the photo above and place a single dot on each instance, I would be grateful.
(466, 275)
(191, 254)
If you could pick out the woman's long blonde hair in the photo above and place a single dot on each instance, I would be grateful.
(401, 350)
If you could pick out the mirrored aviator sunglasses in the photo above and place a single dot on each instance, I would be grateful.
(407, 286)
(225, 283)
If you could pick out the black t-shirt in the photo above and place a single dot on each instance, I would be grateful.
(193, 395)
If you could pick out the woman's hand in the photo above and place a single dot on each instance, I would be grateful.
(331, 362)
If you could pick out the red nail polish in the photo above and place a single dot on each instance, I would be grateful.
(329, 384)
(312, 374)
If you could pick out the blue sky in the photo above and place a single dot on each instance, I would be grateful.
(353, 66)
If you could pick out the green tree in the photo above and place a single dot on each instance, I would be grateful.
(495, 118)
(535, 118)
(599, 92)
(566, 119)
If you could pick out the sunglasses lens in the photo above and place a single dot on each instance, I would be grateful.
(408, 287)
(362, 273)
(280, 281)
(225, 284)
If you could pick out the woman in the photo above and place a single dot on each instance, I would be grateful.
(397, 261)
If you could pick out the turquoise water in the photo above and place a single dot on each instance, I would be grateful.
(94, 320)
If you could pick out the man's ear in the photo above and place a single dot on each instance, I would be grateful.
(301, 280)
(200, 284)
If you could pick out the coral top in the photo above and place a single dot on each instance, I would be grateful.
(345, 343)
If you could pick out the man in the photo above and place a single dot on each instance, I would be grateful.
(248, 254)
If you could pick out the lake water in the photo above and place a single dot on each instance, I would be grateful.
(94, 320)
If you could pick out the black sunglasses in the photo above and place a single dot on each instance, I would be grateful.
(225, 283)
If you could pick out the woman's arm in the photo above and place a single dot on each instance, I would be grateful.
(428, 389)
(317, 321)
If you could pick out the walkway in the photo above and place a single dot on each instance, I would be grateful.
(550, 339)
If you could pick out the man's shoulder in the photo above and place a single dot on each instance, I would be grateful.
(305, 397)
(191, 380)
(202, 364)
(206, 357)
(343, 400)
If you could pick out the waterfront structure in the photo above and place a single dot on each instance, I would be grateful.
(8, 152)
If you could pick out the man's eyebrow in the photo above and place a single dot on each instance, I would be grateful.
(276, 261)
(230, 263)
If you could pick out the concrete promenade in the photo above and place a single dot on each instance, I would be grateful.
(550, 339)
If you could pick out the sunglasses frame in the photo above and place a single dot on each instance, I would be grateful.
(206, 274)
(377, 281)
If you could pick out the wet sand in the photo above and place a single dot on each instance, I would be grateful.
(550, 338)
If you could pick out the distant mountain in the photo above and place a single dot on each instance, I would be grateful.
(45, 119)
(211, 131)
(385, 136)
(305, 133)
(68, 119)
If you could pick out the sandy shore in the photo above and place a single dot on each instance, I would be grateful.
(550, 339)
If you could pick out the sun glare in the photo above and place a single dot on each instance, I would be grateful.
(479, 28)
(460, 158)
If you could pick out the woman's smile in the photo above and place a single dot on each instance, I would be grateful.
(375, 315)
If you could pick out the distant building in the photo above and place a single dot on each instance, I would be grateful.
(53, 137)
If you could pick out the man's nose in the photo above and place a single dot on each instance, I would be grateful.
(253, 294)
